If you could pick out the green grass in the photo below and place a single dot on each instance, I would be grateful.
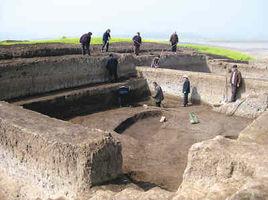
(235, 55)
(95, 40)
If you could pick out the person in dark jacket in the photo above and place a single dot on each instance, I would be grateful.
(111, 66)
(174, 40)
(158, 96)
(105, 40)
(235, 81)
(137, 43)
(185, 90)
(85, 43)
(123, 95)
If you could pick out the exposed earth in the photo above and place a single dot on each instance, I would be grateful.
(156, 153)
(210, 160)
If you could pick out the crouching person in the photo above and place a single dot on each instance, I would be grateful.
(155, 62)
(185, 90)
(123, 93)
(158, 96)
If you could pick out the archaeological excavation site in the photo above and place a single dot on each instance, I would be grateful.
(64, 135)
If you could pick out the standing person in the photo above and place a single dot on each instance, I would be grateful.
(137, 43)
(85, 43)
(158, 96)
(111, 66)
(235, 81)
(174, 40)
(155, 62)
(105, 40)
(185, 90)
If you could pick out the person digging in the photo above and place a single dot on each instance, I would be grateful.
(85, 43)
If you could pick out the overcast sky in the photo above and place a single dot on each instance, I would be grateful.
(228, 19)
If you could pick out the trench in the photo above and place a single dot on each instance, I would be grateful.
(154, 153)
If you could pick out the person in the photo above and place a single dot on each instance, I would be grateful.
(137, 43)
(105, 40)
(123, 93)
(158, 96)
(85, 43)
(156, 61)
(111, 66)
(174, 40)
(185, 90)
(235, 81)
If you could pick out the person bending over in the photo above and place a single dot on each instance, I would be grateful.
(85, 43)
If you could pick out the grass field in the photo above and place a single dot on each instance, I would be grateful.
(95, 40)
(235, 55)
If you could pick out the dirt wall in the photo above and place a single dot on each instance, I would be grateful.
(59, 157)
(247, 70)
(27, 77)
(30, 77)
(205, 87)
(187, 62)
(86, 100)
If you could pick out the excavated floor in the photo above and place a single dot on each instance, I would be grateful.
(155, 153)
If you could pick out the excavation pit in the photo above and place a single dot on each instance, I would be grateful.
(155, 152)
(77, 90)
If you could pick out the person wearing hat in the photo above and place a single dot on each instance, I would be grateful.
(174, 40)
(85, 43)
(235, 81)
(105, 40)
(137, 40)
(185, 90)
(111, 66)
(158, 96)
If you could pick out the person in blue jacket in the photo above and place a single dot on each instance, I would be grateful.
(105, 40)
(186, 90)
